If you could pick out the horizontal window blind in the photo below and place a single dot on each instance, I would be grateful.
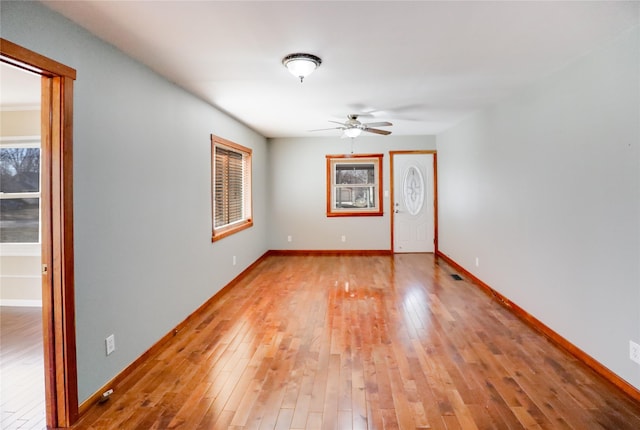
(229, 179)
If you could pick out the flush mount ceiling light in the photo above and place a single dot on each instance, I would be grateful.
(301, 65)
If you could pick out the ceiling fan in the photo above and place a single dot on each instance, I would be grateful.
(352, 127)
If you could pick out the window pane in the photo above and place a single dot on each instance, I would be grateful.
(19, 220)
(355, 174)
(19, 170)
(235, 178)
(229, 184)
(219, 191)
(355, 197)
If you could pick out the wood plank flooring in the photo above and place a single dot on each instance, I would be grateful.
(360, 342)
(21, 369)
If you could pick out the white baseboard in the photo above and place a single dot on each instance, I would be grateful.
(21, 303)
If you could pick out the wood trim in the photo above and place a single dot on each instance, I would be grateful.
(331, 212)
(327, 181)
(550, 334)
(310, 252)
(46, 257)
(61, 243)
(435, 202)
(61, 391)
(32, 61)
(414, 151)
(221, 233)
(157, 347)
(225, 142)
(63, 250)
(435, 192)
(392, 210)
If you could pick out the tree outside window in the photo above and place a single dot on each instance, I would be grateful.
(20, 193)
(354, 185)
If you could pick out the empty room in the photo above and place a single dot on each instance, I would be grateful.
(320, 214)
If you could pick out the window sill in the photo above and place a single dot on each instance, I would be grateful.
(20, 249)
(223, 232)
(337, 212)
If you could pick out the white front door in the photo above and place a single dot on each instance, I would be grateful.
(413, 205)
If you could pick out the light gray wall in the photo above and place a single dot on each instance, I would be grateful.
(297, 187)
(545, 190)
(143, 254)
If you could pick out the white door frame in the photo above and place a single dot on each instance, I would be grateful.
(435, 193)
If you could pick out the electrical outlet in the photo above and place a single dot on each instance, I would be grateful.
(289, 238)
(234, 260)
(477, 262)
(634, 351)
(344, 238)
(110, 343)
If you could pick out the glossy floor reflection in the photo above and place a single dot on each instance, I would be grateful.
(360, 342)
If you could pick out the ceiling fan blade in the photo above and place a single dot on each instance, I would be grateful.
(324, 129)
(336, 122)
(378, 124)
(377, 131)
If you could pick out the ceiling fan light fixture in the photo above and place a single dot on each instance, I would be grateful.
(301, 65)
(352, 132)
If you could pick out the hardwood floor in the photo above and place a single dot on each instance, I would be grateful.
(360, 342)
(21, 369)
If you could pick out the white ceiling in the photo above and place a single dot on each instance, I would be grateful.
(423, 65)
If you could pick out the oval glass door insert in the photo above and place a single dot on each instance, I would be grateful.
(413, 190)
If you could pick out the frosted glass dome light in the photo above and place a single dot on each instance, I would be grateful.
(301, 65)
(352, 132)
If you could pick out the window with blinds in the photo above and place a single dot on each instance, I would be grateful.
(231, 186)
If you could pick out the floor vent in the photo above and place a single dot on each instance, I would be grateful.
(456, 277)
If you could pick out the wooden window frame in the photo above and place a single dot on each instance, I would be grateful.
(332, 162)
(247, 204)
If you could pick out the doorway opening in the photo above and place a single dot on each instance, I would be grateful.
(56, 226)
(22, 393)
